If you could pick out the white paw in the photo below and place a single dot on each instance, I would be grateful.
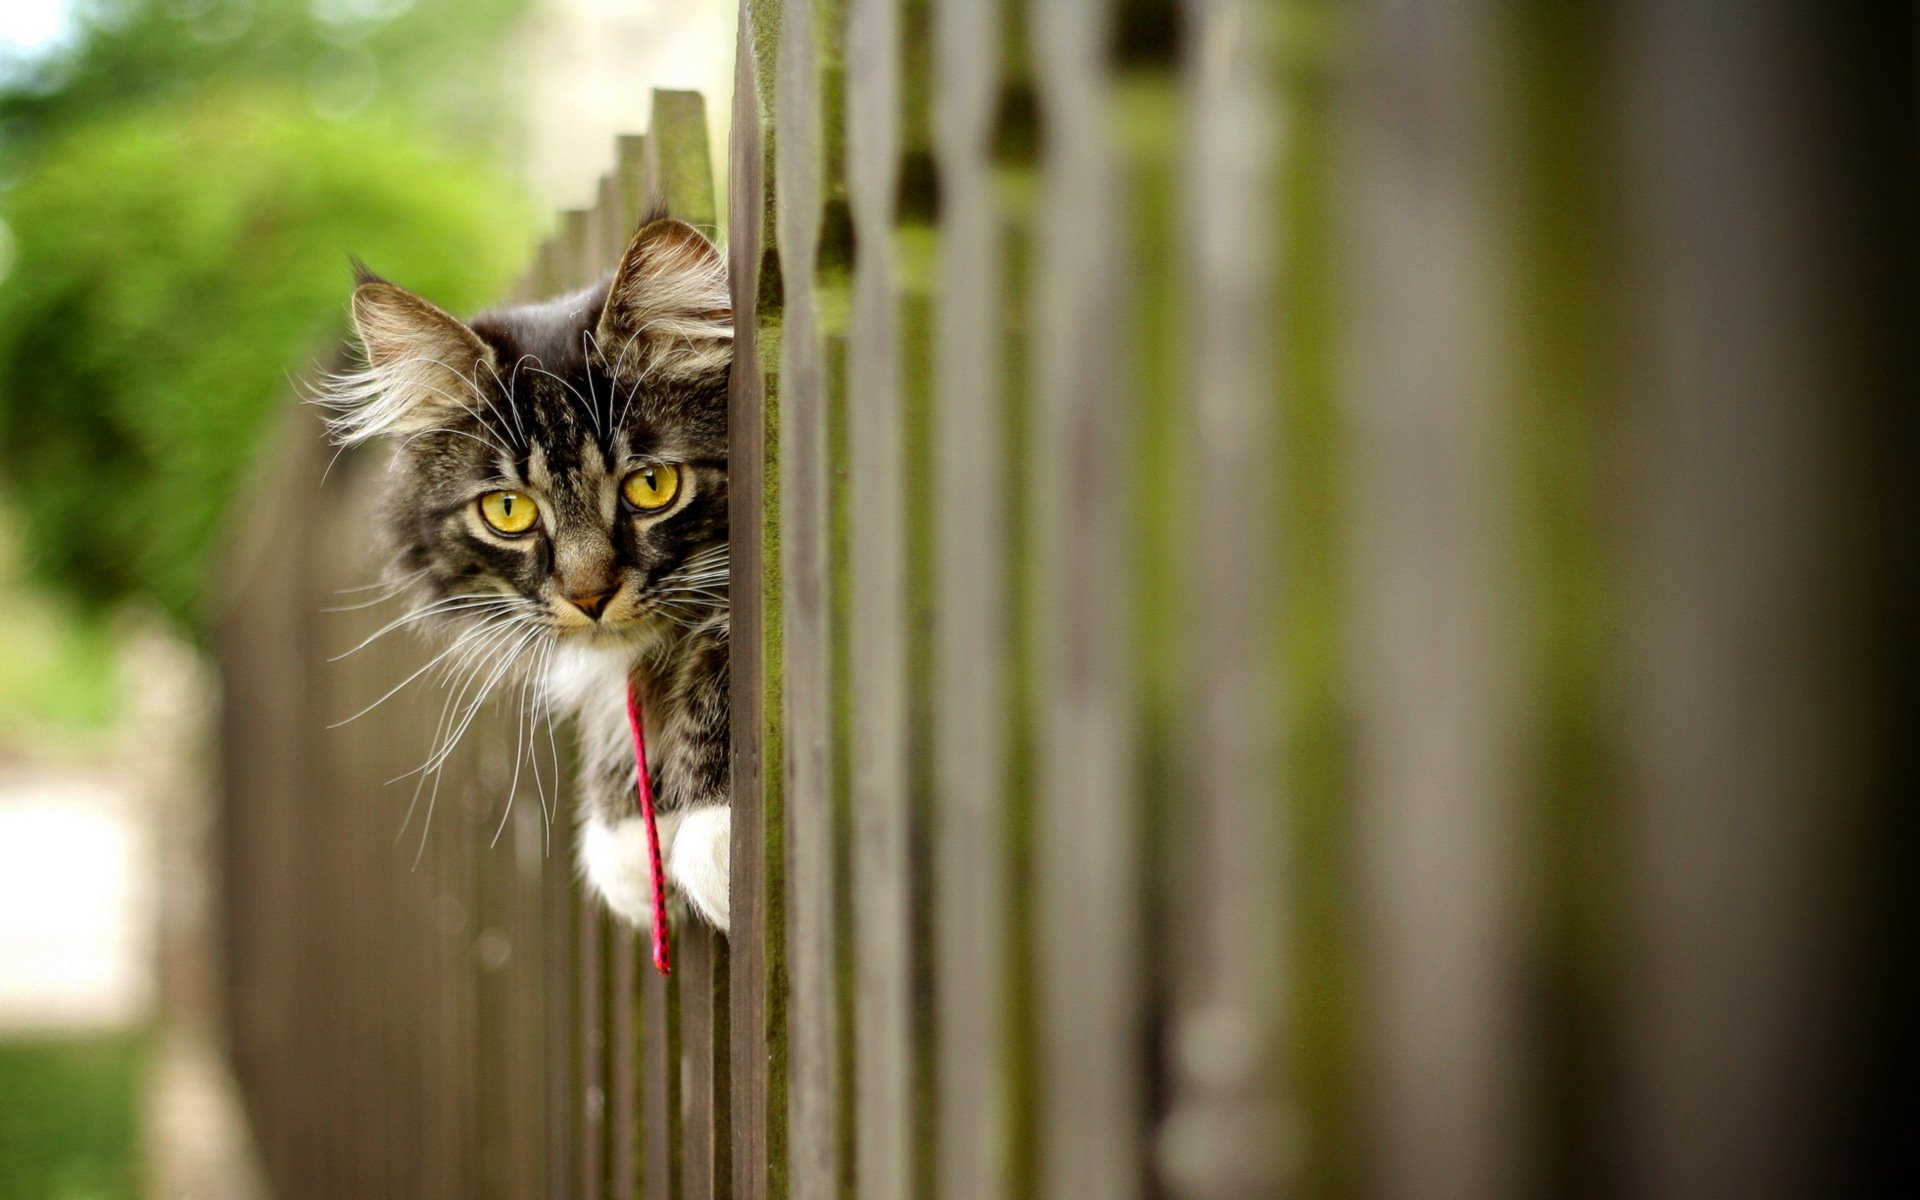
(614, 858)
(698, 862)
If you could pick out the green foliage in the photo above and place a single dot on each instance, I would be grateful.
(68, 1118)
(431, 59)
(171, 266)
(57, 670)
(181, 187)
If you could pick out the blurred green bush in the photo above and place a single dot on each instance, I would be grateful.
(170, 266)
(181, 214)
(68, 1117)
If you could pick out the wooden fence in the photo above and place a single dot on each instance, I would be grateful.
(1320, 608)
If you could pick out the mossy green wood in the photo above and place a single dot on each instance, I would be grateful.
(806, 701)
(885, 719)
(1311, 509)
(679, 158)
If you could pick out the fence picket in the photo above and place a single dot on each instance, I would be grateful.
(1769, 661)
(660, 1075)
(972, 568)
(757, 1020)
(1088, 878)
(706, 1172)
(814, 1087)
(1227, 1134)
(1435, 783)
(676, 162)
(881, 798)
(1089, 842)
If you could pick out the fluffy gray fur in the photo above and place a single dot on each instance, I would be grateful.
(561, 404)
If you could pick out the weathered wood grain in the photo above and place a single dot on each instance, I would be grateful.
(659, 1086)
(628, 1144)
(757, 1021)
(591, 1106)
(706, 1145)
(814, 1079)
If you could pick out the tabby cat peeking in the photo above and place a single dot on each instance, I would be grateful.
(557, 507)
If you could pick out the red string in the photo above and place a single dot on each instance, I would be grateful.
(661, 948)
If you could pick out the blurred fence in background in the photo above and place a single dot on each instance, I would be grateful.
(1321, 607)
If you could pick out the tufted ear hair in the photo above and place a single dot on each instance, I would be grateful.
(422, 368)
(668, 309)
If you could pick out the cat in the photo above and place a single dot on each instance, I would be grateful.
(558, 498)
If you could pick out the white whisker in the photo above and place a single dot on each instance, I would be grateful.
(448, 606)
(409, 679)
(475, 658)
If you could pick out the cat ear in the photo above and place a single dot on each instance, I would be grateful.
(422, 365)
(668, 309)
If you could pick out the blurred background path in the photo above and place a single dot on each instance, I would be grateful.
(111, 1077)
(76, 897)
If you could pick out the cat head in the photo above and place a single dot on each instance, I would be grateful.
(558, 466)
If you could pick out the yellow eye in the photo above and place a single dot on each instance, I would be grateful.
(509, 512)
(651, 488)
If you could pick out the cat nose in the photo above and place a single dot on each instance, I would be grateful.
(591, 604)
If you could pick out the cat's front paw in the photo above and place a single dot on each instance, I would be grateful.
(699, 862)
(614, 859)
